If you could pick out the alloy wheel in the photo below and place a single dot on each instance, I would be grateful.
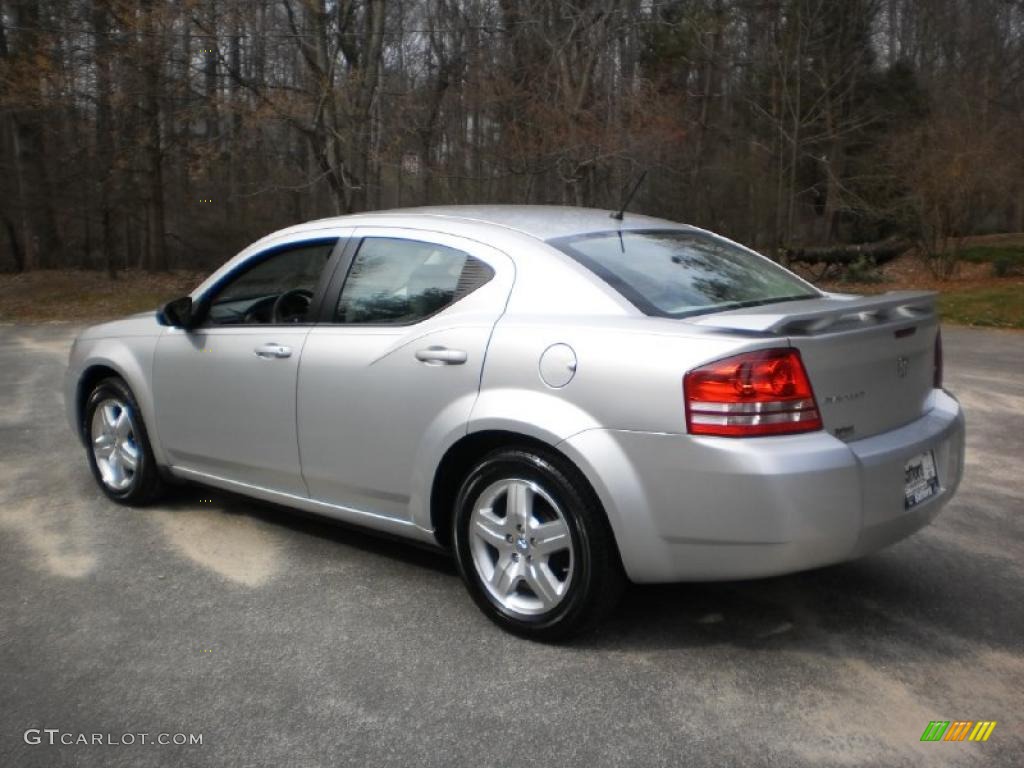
(521, 547)
(114, 445)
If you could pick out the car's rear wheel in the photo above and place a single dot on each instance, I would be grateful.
(119, 452)
(533, 544)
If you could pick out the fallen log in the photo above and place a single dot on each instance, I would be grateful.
(880, 252)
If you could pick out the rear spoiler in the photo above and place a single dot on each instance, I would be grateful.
(829, 313)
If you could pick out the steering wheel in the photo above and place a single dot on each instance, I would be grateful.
(258, 313)
(291, 306)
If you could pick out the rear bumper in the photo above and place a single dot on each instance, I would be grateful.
(689, 508)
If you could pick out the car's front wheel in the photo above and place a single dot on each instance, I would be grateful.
(533, 544)
(119, 452)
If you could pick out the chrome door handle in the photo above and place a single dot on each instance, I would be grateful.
(272, 351)
(441, 356)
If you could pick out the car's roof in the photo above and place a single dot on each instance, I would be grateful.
(544, 222)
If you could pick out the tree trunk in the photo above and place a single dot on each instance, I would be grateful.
(104, 131)
(231, 157)
(157, 248)
(42, 242)
(17, 257)
(362, 160)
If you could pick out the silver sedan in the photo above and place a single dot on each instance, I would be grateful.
(562, 399)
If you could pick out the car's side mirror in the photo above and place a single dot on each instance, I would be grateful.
(178, 313)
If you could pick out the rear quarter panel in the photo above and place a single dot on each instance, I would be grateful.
(629, 373)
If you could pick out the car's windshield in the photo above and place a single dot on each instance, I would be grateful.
(677, 273)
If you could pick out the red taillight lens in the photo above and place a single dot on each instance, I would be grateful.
(938, 360)
(758, 393)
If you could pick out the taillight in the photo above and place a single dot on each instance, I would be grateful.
(937, 378)
(757, 393)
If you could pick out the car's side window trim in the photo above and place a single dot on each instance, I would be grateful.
(340, 243)
(325, 310)
(344, 269)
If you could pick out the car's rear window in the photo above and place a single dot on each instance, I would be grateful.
(675, 273)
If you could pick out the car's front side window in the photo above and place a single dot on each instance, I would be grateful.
(394, 281)
(279, 287)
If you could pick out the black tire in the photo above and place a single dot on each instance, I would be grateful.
(145, 484)
(597, 576)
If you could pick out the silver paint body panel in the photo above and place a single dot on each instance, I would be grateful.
(353, 425)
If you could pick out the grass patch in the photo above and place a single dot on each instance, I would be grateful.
(989, 254)
(1007, 260)
(83, 296)
(993, 307)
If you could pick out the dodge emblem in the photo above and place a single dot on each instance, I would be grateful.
(902, 366)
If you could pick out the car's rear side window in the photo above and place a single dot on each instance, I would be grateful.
(674, 273)
(394, 281)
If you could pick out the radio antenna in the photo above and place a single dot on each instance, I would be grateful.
(629, 198)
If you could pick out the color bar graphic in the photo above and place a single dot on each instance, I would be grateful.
(958, 730)
(983, 730)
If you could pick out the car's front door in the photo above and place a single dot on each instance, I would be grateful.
(224, 392)
(394, 366)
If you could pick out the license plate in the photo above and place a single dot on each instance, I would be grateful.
(921, 480)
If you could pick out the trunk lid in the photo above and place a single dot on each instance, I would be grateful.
(870, 359)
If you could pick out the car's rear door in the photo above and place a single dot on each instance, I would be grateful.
(224, 392)
(393, 369)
